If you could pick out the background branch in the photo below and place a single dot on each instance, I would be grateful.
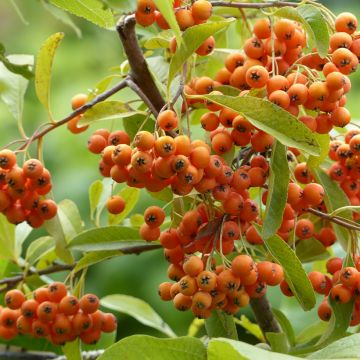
(264, 315)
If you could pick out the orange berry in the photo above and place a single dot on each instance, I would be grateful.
(115, 205)
(89, 303)
(154, 216)
(14, 299)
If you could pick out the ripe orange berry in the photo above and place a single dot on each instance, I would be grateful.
(280, 98)
(61, 325)
(46, 311)
(57, 291)
(78, 100)
(144, 140)
(121, 155)
(193, 266)
(29, 308)
(346, 22)
(81, 322)
(206, 47)
(40, 329)
(304, 229)
(47, 209)
(341, 294)
(69, 305)
(313, 194)
(262, 28)
(349, 276)
(284, 29)
(257, 76)
(184, 18)
(188, 285)
(41, 295)
(233, 61)
(201, 10)
(206, 280)
(167, 120)
(115, 205)
(8, 318)
(73, 125)
(254, 48)
(182, 302)
(14, 299)
(154, 216)
(201, 300)
(90, 337)
(149, 233)
(324, 311)
(23, 325)
(89, 303)
(110, 323)
(340, 117)
(164, 291)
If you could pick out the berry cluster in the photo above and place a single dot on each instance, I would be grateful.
(22, 189)
(346, 168)
(54, 315)
(220, 287)
(186, 16)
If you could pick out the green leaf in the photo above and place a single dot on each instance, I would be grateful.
(54, 228)
(314, 23)
(167, 11)
(133, 124)
(106, 238)
(38, 248)
(72, 350)
(165, 195)
(250, 327)
(13, 86)
(192, 38)
(22, 231)
(270, 118)
(335, 198)
(94, 258)
(7, 239)
(24, 70)
(285, 325)
(293, 269)
(323, 140)
(159, 41)
(131, 197)
(346, 348)
(228, 90)
(138, 309)
(220, 324)
(61, 16)
(311, 250)
(43, 69)
(91, 10)
(70, 218)
(146, 347)
(311, 332)
(225, 349)
(277, 195)
(95, 191)
(278, 342)
(108, 110)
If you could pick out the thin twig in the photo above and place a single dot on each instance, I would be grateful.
(255, 5)
(333, 219)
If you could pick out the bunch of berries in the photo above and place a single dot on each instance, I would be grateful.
(54, 315)
(22, 189)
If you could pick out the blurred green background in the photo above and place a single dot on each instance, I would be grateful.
(79, 65)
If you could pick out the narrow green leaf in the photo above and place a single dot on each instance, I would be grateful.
(108, 110)
(70, 218)
(106, 238)
(61, 16)
(163, 195)
(167, 10)
(133, 124)
(323, 140)
(293, 269)
(346, 348)
(311, 250)
(285, 325)
(22, 231)
(94, 258)
(159, 41)
(24, 70)
(250, 327)
(138, 309)
(228, 90)
(13, 86)
(270, 118)
(225, 349)
(192, 38)
(314, 23)
(7, 239)
(95, 191)
(278, 342)
(91, 10)
(43, 69)
(335, 198)
(142, 346)
(131, 197)
(277, 195)
(38, 248)
(311, 332)
(220, 324)
(72, 350)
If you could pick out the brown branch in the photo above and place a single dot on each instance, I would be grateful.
(264, 315)
(103, 96)
(255, 5)
(139, 73)
(334, 219)
(11, 282)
